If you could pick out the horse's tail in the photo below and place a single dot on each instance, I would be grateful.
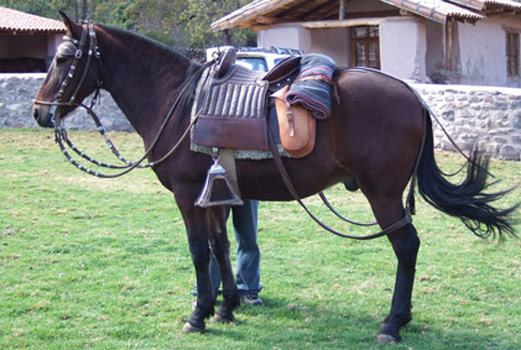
(466, 200)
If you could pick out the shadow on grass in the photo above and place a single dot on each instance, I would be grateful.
(281, 324)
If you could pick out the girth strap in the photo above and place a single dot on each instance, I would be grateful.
(407, 219)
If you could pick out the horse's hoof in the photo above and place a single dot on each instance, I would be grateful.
(386, 339)
(220, 319)
(188, 328)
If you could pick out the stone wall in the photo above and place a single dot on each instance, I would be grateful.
(488, 116)
(17, 92)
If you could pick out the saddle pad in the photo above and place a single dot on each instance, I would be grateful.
(232, 110)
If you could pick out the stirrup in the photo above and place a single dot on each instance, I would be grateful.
(217, 174)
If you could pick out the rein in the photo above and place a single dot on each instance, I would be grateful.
(61, 134)
(407, 219)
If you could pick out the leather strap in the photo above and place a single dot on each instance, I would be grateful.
(227, 161)
(407, 219)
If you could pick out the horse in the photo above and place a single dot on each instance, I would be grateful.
(379, 135)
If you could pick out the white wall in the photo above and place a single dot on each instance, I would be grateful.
(403, 47)
(483, 52)
(293, 37)
(334, 42)
(53, 41)
(435, 56)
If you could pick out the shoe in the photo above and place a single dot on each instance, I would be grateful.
(252, 299)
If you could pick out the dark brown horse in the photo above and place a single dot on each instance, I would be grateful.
(374, 135)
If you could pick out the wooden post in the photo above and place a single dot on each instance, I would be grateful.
(449, 57)
(342, 10)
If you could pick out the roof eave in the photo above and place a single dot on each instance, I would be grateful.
(250, 17)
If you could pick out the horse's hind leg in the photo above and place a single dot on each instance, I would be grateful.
(405, 243)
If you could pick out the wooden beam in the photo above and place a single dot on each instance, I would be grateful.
(349, 22)
(266, 20)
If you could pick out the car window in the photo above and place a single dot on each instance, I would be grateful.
(277, 60)
(257, 63)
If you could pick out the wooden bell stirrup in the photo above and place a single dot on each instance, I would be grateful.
(217, 174)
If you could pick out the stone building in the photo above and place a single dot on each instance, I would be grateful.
(27, 42)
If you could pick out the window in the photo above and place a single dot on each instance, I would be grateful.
(255, 63)
(365, 46)
(512, 54)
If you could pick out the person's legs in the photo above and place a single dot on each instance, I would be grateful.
(248, 252)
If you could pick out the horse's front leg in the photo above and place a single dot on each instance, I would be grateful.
(199, 224)
(206, 226)
(200, 253)
(221, 250)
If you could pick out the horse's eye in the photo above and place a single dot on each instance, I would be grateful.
(61, 60)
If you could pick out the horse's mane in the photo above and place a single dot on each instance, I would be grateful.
(163, 58)
(149, 49)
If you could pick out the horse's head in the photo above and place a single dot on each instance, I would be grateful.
(73, 75)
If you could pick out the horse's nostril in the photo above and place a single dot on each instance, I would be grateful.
(36, 113)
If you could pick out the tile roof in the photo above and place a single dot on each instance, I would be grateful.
(484, 4)
(13, 20)
(261, 12)
(436, 10)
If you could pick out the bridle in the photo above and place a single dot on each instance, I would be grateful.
(60, 133)
(78, 55)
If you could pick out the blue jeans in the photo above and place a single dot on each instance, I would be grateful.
(248, 252)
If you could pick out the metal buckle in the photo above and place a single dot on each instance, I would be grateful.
(78, 53)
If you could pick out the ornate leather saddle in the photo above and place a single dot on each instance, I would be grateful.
(231, 103)
(231, 111)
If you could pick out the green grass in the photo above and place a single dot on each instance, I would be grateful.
(87, 263)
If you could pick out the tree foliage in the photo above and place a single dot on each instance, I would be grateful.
(179, 23)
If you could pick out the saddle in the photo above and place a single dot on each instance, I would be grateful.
(232, 103)
(231, 107)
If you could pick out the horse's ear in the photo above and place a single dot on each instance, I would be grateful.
(72, 27)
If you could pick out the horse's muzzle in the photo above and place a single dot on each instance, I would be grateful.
(43, 116)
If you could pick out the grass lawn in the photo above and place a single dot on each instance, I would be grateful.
(87, 263)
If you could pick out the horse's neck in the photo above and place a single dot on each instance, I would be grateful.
(143, 79)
